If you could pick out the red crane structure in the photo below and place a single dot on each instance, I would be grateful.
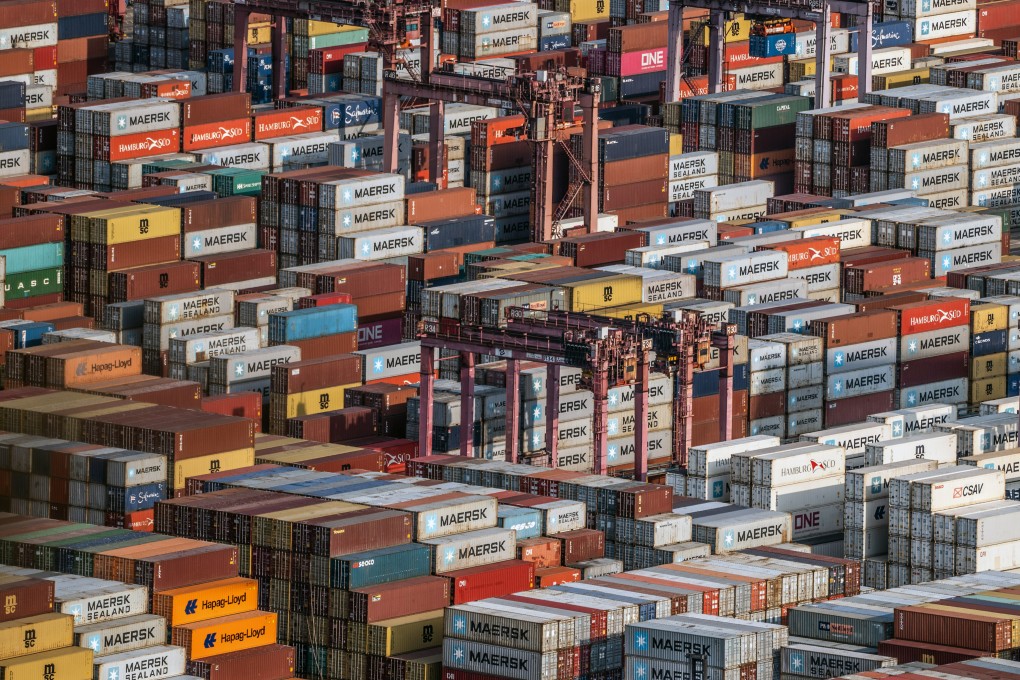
(610, 352)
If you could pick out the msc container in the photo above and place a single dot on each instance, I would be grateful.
(69, 662)
(940, 448)
(35, 634)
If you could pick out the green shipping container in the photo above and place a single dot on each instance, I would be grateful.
(34, 283)
(767, 111)
(337, 39)
(236, 182)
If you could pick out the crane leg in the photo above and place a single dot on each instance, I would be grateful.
(279, 37)
(864, 49)
(641, 419)
(241, 17)
(438, 171)
(552, 412)
(716, 50)
(513, 410)
(467, 404)
(675, 51)
(823, 59)
(427, 393)
(391, 130)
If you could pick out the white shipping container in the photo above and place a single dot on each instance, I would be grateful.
(764, 355)
(946, 261)
(660, 391)
(220, 240)
(767, 291)
(994, 153)
(683, 189)
(380, 244)
(774, 426)
(824, 277)
(204, 346)
(983, 434)
(15, 163)
(535, 631)
(188, 306)
(984, 128)
(852, 233)
(992, 557)
(307, 149)
(730, 270)
(804, 421)
(250, 365)
(753, 212)
(392, 360)
(839, 43)
(693, 164)
(162, 661)
(888, 60)
(683, 232)
(986, 527)
(913, 8)
(803, 375)
(934, 343)
(872, 482)
(715, 488)
(251, 156)
(817, 521)
(710, 460)
(472, 549)
(798, 466)
(762, 77)
(945, 391)
(928, 155)
(28, 37)
(1004, 405)
(160, 336)
(936, 181)
(860, 356)
(793, 497)
(946, 25)
(622, 450)
(97, 603)
(804, 398)
(452, 516)
(958, 490)
(122, 635)
(817, 661)
(856, 383)
(1001, 175)
(359, 191)
(734, 196)
(768, 382)
(487, 45)
(651, 256)
(741, 530)
(853, 438)
(939, 447)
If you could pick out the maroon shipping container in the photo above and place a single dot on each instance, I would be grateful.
(24, 597)
(593, 250)
(853, 329)
(14, 13)
(762, 406)
(633, 170)
(358, 280)
(934, 369)
(358, 531)
(212, 108)
(858, 279)
(154, 280)
(492, 580)
(334, 426)
(242, 265)
(917, 128)
(856, 409)
(429, 206)
(436, 265)
(326, 346)
(188, 567)
(316, 374)
(18, 232)
(272, 662)
(374, 307)
(620, 197)
(906, 651)
(991, 633)
(582, 544)
(136, 253)
(399, 598)
(220, 212)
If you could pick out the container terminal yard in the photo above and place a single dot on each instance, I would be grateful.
(487, 339)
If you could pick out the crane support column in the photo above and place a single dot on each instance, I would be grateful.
(438, 171)
(513, 410)
(552, 411)
(590, 157)
(427, 393)
(716, 50)
(726, 345)
(391, 127)
(823, 59)
(864, 49)
(467, 404)
(641, 418)
(279, 38)
(600, 420)
(675, 50)
(241, 15)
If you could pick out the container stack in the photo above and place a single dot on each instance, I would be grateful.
(933, 341)
(709, 469)
(181, 317)
(500, 162)
(915, 499)
(482, 31)
(310, 386)
(35, 635)
(689, 172)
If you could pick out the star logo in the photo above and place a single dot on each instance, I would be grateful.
(640, 640)
(641, 670)
(537, 413)
(173, 312)
(486, 20)
(752, 299)
(537, 384)
(239, 369)
(347, 219)
(450, 556)
(838, 386)
(912, 346)
(355, 155)
(121, 122)
(733, 272)
(612, 453)
(897, 429)
(946, 262)
(613, 426)
(431, 522)
(798, 325)
(365, 249)
(838, 359)
(112, 675)
(692, 266)
(378, 365)
(458, 655)
(796, 662)
(660, 241)
(947, 237)
(915, 183)
(728, 538)
(94, 643)
(613, 399)
(917, 159)
(348, 196)
(196, 244)
(459, 623)
(496, 182)
(911, 397)
(536, 440)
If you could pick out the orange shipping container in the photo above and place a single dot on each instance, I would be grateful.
(553, 576)
(810, 252)
(543, 551)
(293, 121)
(493, 131)
(80, 368)
(226, 634)
(206, 601)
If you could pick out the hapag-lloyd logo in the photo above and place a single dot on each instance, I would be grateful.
(147, 144)
(223, 133)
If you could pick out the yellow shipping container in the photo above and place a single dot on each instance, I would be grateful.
(609, 291)
(69, 663)
(276, 529)
(989, 388)
(914, 76)
(584, 10)
(738, 29)
(801, 69)
(810, 220)
(206, 601)
(36, 634)
(986, 317)
(217, 462)
(676, 144)
(990, 366)
(233, 633)
(260, 33)
(41, 113)
(406, 634)
(302, 454)
(315, 401)
(139, 225)
(327, 27)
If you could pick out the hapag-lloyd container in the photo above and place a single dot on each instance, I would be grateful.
(472, 549)
(938, 447)
(233, 633)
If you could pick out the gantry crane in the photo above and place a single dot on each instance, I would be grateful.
(817, 11)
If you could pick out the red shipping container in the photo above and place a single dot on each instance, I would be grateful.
(209, 135)
(380, 333)
(857, 409)
(137, 145)
(141, 520)
(399, 598)
(933, 315)
(491, 580)
(542, 551)
(45, 58)
(809, 252)
(553, 576)
(994, 16)
(581, 545)
(283, 122)
(933, 369)
(323, 299)
(242, 404)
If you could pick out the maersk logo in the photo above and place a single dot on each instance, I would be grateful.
(640, 670)
(459, 623)
(196, 244)
(121, 122)
(838, 359)
(911, 397)
(458, 654)
(239, 369)
(876, 485)
(925, 5)
(431, 522)
(95, 643)
(837, 387)
(796, 662)
(717, 489)
(926, 27)
(378, 365)
(640, 640)
(728, 538)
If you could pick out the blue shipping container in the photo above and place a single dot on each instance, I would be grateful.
(992, 342)
(314, 322)
(769, 226)
(553, 42)
(527, 522)
(82, 26)
(385, 565)
(886, 34)
(778, 45)
(459, 231)
(30, 334)
(13, 136)
(32, 258)
(132, 498)
(646, 83)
